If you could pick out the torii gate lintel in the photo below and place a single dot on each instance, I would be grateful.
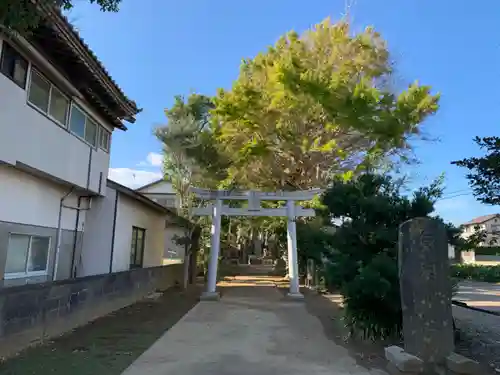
(291, 211)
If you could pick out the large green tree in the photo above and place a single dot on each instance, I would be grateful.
(316, 105)
(23, 15)
(484, 171)
(180, 137)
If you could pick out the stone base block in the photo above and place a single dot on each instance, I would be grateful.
(403, 362)
(461, 365)
(393, 370)
(295, 296)
(210, 296)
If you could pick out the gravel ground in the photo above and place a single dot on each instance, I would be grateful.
(479, 336)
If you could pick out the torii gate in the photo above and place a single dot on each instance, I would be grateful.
(291, 211)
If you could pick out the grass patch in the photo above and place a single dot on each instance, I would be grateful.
(107, 345)
(475, 272)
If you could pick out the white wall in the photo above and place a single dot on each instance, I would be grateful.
(98, 236)
(31, 138)
(27, 199)
(134, 213)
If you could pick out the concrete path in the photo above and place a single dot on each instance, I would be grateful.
(252, 330)
(479, 294)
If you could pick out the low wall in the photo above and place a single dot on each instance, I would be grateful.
(34, 312)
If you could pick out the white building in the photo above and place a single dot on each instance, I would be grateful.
(490, 224)
(162, 192)
(58, 110)
(125, 230)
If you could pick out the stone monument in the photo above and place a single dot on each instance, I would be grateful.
(425, 290)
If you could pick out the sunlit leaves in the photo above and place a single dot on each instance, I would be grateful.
(316, 105)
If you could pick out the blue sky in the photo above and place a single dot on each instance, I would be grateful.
(157, 49)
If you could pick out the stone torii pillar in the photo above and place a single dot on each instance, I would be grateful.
(291, 211)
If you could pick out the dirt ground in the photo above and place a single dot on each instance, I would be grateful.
(479, 336)
(480, 342)
(109, 344)
(327, 309)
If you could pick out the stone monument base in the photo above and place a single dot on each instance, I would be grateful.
(403, 363)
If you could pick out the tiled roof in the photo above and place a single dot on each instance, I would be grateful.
(480, 219)
(54, 16)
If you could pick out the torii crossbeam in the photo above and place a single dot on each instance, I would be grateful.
(291, 211)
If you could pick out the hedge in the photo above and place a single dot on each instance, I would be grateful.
(490, 250)
(475, 272)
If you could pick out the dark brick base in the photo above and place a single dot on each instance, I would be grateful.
(34, 312)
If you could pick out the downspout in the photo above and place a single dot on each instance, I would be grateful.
(113, 233)
(59, 233)
(75, 235)
(59, 224)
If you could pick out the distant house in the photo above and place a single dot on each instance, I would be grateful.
(162, 192)
(489, 223)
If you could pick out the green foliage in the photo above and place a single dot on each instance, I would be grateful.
(23, 15)
(364, 263)
(490, 274)
(484, 172)
(316, 105)
(189, 150)
(310, 108)
(487, 250)
(313, 242)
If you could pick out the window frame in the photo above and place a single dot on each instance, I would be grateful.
(26, 273)
(133, 247)
(66, 120)
(103, 130)
(21, 57)
(87, 118)
(51, 87)
(30, 68)
(96, 135)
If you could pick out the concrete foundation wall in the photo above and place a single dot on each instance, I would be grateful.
(32, 313)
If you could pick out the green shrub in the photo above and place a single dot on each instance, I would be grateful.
(475, 272)
(488, 250)
(364, 265)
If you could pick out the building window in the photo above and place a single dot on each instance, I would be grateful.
(104, 137)
(91, 132)
(167, 202)
(137, 247)
(27, 255)
(13, 65)
(48, 98)
(77, 122)
(83, 126)
(39, 91)
(59, 106)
